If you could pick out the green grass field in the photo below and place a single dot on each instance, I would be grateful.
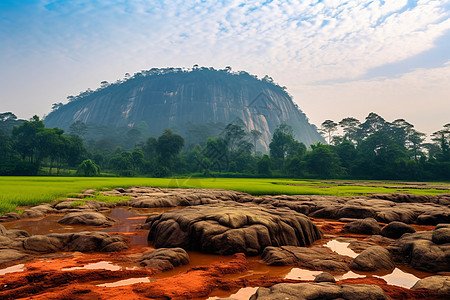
(22, 191)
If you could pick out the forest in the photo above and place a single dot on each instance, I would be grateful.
(372, 149)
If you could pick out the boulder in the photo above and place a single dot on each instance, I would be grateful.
(373, 259)
(231, 227)
(441, 235)
(87, 218)
(7, 256)
(319, 290)
(439, 284)
(81, 241)
(324, 277)
(17, 233)
(164, 259)
(316, 258)
(395, 230)
(95, 241)
(42, 243)
(364, 226)
(419, 251)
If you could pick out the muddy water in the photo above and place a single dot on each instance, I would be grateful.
(131, 219)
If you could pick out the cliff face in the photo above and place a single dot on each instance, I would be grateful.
(181, 100)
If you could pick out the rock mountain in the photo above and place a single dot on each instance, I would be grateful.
(194, 103)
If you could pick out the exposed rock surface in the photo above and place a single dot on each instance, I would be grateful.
(12, 216)
(164, 259)
(229, 228)
(364, 226)
(373, 259)
(395, 230)
(437, 283)
(87, 218)
(323, 290)
(316, 258)
(418, 250)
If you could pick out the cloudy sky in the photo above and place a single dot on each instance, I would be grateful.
(337, 58)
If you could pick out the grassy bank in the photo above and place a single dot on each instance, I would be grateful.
(20, 191)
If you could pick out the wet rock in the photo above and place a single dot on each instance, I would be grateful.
(373, 259)
(231, 227)
(395, 230)
(365, 226)
(439, 284)
(164, 259)
(7, 256)
(441, 235)
(324, 277)
(87, 218)
(316, 258)
(322, 290)
(12, 216)
(418, 250)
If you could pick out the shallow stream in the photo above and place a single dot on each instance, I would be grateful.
(131, 219)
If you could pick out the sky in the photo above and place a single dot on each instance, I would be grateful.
(337, 58)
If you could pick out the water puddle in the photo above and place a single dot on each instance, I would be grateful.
(341, 248)
(104, 265)
(241, 294)
(302, 274)
(13, 269)
(128, 281)
(400, 278)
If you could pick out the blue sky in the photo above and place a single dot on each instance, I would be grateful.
(337, 58)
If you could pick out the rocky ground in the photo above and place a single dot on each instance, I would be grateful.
(195, 244)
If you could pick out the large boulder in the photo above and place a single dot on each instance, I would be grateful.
(164, 259)
(230, 227)
(87, 218)
(439, 284)
(418, 250)
(373, 259)
(43, 243)
(364, 226)
(316, 258)
(395, 230)
(320, 290)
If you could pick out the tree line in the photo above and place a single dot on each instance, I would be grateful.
(373, 149)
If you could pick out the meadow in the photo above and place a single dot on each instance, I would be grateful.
(23, 191)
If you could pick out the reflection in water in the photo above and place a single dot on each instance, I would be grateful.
(128, 281)
(13, 269)
(341, 248)
(241, 294)
(106, 265)
(302, 274)
(400, 278)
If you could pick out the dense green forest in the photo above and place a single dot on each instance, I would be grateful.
(373, 149)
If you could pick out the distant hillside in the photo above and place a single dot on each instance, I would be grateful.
(194, 103)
